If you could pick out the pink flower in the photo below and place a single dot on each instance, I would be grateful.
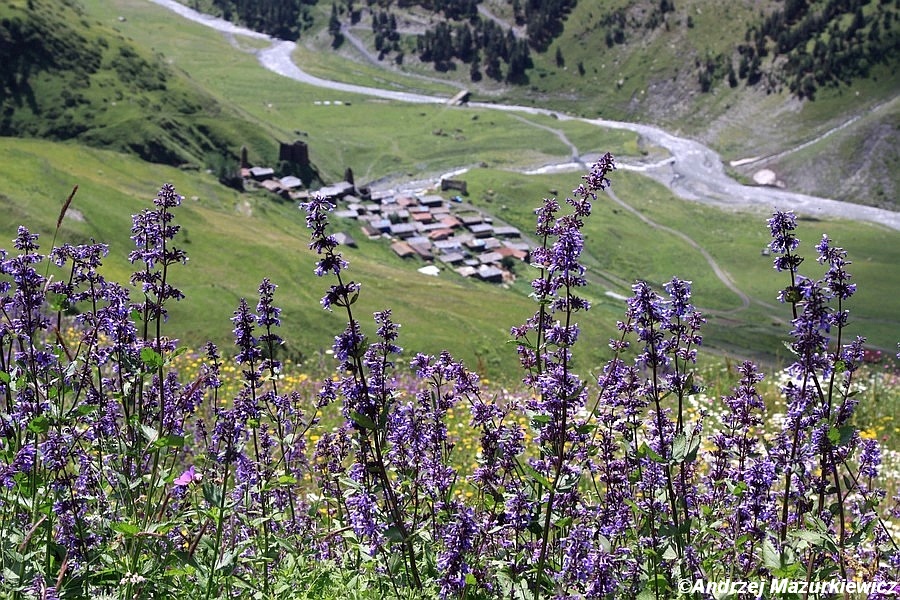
(187, 477)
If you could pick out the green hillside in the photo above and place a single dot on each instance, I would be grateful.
(746, 89)
(750, 79)
(67, 76)
(234, 240)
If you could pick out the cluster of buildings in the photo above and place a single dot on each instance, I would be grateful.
(440, 232)
(444, 234)
(288, 187)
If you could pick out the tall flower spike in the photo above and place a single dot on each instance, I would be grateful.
(268, 316)
(317, 211)
(24, 307)
(246, 342)
(784, 242)
(152, 230)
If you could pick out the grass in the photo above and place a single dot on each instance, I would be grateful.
(87, 82)
(111, 186)
(622, 248)
(438, 312)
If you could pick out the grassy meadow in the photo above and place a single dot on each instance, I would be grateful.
(377, 138)
(234, 240)
(328, 467)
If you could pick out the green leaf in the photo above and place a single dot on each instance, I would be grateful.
(394, 534)
(693, 449)
(151, 358)
(127, 529)
(226, 561)
(771, 557)
(679, 448)
(58, 301)
(150, 434)
(10, 576)
(5, 377)
(39, 424)
(646, 450)
(585, 428)
(813, 537)
(534, 475)
(362, 420)
(170, 441)
(212, 494)
(86, 409)
(564, 522)
(847, 432)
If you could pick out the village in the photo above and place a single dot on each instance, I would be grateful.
(444, 234)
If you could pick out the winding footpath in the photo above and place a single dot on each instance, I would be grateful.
(693, 171)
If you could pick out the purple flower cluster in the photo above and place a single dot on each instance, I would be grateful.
(152, 230)
(109, 456)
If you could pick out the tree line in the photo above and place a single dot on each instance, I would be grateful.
(284, 19)
(826, 43)
(485, 45)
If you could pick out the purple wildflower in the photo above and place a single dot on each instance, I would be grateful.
(457, 537)
(869, 458)
(249, 352)
(784, 242)
(152, 231)
(23, 309)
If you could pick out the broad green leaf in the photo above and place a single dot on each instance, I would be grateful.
(170, 441)
(212, 494)
(679, 448)
(362, 420)
(771, 557)
(536, 476)
(646, 450)
(150, 434)
(86, 409)
(127, 529)
(393, 534)
(151, 357)
(39, 424)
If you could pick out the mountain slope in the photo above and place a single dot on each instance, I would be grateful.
(68, 78)
(235, 240)
(752, 79)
